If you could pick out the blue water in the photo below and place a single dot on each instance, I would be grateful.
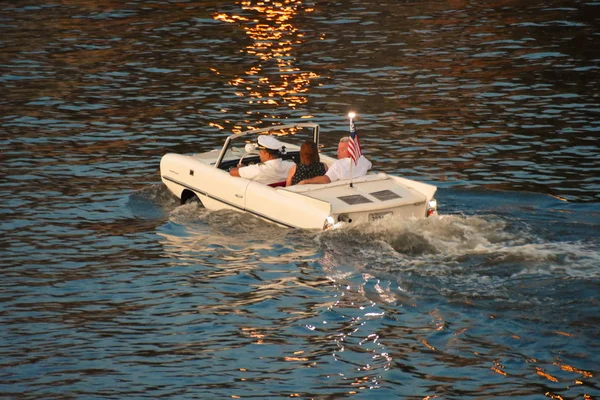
(111, 289)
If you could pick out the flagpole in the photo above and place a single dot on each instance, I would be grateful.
(351, 115)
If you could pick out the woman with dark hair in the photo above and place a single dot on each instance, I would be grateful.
(310, 164)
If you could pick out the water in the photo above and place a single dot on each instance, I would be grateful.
(110, 289)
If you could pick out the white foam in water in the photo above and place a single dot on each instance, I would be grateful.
(571, 259)
(190, 212)
(448, 245)
(158, 194)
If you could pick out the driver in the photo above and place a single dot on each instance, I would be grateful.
(272, 169)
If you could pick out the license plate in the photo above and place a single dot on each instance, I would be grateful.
(378, 216)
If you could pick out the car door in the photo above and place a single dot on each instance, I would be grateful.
(221, 190)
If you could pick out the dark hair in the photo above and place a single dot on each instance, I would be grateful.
(309, 153)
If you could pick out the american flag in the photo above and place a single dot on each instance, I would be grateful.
(354, 144)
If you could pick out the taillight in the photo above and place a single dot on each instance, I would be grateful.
(329, 223)
(432, 207)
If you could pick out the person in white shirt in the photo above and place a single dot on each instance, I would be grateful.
(343, 167)
(272, 169)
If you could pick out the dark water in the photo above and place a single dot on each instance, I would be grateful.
(110, 289)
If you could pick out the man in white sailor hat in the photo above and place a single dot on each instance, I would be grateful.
(272, 169)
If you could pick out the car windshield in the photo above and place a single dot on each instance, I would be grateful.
(292, 137)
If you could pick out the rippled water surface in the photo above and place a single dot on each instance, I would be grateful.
(111, 289)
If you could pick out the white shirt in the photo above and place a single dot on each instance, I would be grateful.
(271, 171)
(345, 169)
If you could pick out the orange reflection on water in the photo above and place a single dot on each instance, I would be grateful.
(569, 368)
(295, 359)
(274, 80)
(428, 345)
(563, 333)
(499, 368)
(546, 375)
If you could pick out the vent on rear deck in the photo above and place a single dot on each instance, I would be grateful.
(384, 195)
(354, 199)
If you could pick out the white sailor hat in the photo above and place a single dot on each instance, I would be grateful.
(269, 142)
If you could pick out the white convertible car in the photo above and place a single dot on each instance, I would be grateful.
(205, 177)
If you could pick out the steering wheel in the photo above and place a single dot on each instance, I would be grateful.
(245, 155)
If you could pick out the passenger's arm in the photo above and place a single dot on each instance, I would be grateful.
(235, 171)
(288, 181)
(317, 179)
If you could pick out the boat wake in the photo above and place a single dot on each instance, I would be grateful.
(447, 244)
(474, 254)
(152, 201)
(461, 258)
